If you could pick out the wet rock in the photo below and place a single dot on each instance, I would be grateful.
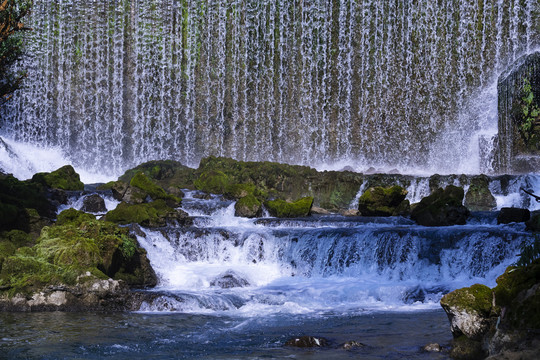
(94, 204)
(441, 208)
(64, 178)
(380, 201)
(229, 279)
(509, 215)
(202, 196)
(479, 197)
(319, 211)
(285, 209)
(434, 347)
(533, 223)
(153, 214)
(349, 345)
(468, 310)
(307, 342)
(350, 212)
(248, 206)
(464, 348)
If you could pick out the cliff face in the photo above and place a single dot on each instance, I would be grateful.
(519, 116)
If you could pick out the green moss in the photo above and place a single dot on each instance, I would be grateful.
(107, 186)
(64, 178)
(155, 192)
(213, 181)
(380, 201)
(149, 214)
(281, 208)
(73, 217)
(248, 206)
(477, 298)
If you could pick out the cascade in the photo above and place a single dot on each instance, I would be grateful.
(387, 84)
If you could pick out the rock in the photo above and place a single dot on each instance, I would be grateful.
(64, 178)
(349, 212)
(349, 345)
(229, 279)
(175, 191)
(150, 190)
(94, 204)
(212, 181)
(284, 209)
(464, 348)
(307, 342)
(509, 215)
(134, 195)
(479, 197)
(153, 214)
(533, 223)
(468, 310)
(319, 211)
(248, 206)
(434, 347)
(379, 201)
(441, 208)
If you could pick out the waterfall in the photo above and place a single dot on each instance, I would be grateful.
(394, 84)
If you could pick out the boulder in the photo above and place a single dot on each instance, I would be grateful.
(94, 204)
(509, 215)
(284, 209)
(379, 201)
(307, 342)
(479, 197)
(533, 223)
(441, 208)
(248, 206)
(153, 214)
(229, 279)
(64, 178)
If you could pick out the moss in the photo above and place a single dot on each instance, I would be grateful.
(479, 197)
(476, 298)
(73, 217)
(380, 201)
(248, 206)
(156, 170)
(107, 186)
(64, 178)
(281, 208)
(149, 214)
(155, 192)
(213, 181)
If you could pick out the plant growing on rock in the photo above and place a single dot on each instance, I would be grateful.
(529, 116)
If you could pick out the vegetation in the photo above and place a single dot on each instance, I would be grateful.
(11, 26)
(529, 117)
(530, 251)
(64, 178)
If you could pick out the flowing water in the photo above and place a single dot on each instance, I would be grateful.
(390, 84)
(377, 281)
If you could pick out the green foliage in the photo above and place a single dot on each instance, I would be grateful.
(530, 251)
(128, 247)
(11, 44)
(530, 115)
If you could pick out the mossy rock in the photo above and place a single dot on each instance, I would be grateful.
(149, 189)
(441, 208)
(73, 217)
(248, 206)
(64, 178)
(479, 197)
(159, 170)
(12, 240)
(154, 214)
(22, 202)
(284, 209)
(213, 181)
(379, 201)
(518, 291)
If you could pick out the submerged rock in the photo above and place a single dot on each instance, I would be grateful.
(380, 201)
(307, 342)
(434, 347)
(441, 208)
(509, 215)
(229, 279)
(94, 204)
(349, 345)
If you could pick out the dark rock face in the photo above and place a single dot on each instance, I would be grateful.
(307, 342)
(379, 201)
(479, 197)
(533, 223)
(441, 208)
(94, 204)
(519, 117)
(229, 279)
(510, 215)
